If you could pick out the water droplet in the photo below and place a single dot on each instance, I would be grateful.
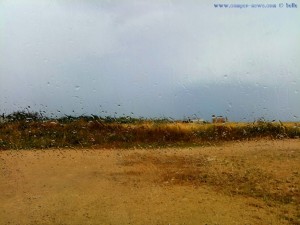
(77, 87)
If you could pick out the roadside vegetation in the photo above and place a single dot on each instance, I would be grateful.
(27, 130)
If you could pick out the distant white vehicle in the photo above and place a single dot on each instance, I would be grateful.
(200, 121)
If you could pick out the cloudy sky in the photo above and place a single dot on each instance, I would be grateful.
(150, 58)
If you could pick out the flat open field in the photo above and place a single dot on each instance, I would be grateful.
(255, 182)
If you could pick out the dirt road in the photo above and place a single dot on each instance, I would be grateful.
(236, 183)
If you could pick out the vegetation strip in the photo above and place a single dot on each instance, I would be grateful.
(29, 130)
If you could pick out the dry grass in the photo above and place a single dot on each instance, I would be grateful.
(23, 134)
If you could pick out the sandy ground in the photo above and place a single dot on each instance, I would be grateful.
(142, 187)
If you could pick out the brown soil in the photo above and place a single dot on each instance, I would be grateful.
(253, 182)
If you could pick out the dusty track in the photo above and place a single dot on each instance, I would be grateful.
(237, 183)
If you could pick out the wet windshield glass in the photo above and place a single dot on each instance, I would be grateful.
(149, 112)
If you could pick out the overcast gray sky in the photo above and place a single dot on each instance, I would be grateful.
(150, 58)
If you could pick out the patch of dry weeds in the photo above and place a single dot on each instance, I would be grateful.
(265, 172)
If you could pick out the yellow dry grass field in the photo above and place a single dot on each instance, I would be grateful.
(254, 182)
